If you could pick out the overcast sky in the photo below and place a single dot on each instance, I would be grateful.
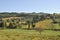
(49, 6)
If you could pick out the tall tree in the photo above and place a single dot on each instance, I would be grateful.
(28, 23)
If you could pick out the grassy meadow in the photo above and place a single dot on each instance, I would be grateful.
(19, 34)
(29, 26)
(24, 34)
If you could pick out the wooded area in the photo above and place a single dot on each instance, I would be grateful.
(15, 20)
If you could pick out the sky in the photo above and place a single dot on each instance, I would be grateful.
(48, 6)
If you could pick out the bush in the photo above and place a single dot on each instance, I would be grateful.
(40, 30)
(33, 26)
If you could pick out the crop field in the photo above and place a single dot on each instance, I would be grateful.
(20, 34)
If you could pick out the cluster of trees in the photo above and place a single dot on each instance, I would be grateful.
(36, 17)
(31, 19)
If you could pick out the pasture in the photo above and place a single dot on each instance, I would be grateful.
(20, 34)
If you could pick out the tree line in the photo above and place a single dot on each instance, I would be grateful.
(36, 17)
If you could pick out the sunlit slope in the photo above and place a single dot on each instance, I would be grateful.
(45, 24)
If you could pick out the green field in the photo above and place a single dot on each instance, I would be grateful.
(20, 34)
